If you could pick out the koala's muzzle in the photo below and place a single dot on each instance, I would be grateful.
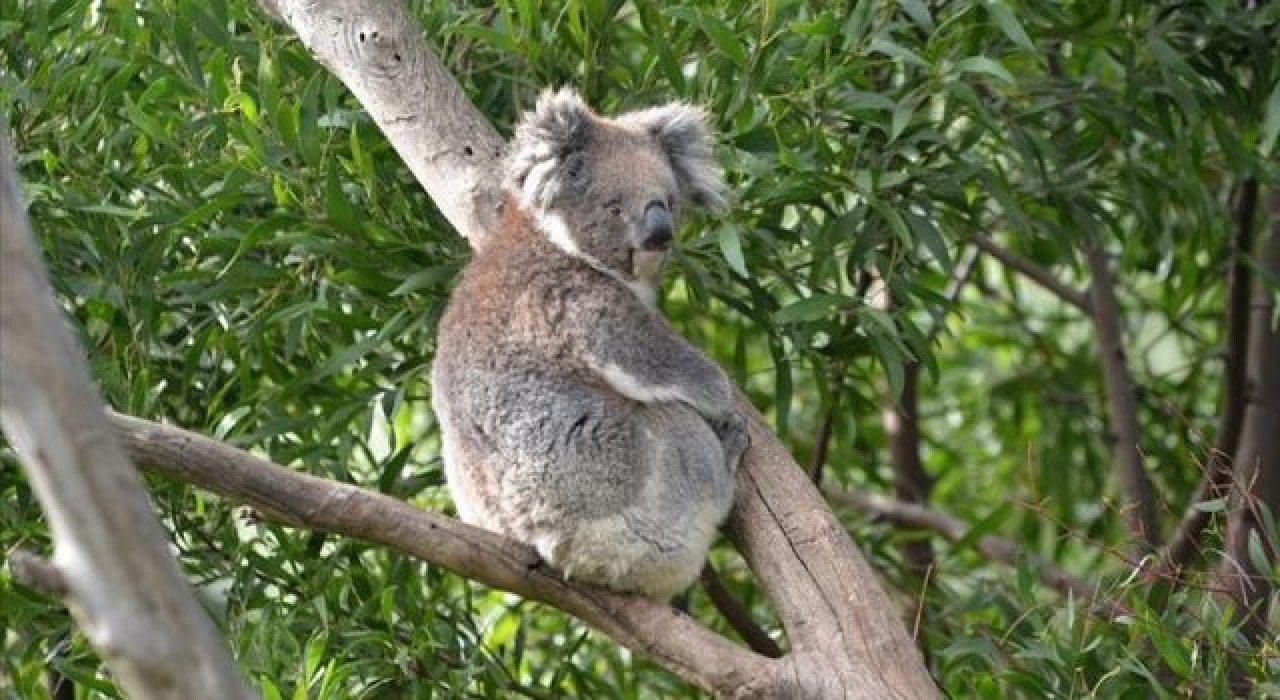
(658, 228)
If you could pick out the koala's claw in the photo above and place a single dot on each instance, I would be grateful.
(732, 430)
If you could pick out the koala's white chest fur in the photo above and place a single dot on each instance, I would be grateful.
(572, 416)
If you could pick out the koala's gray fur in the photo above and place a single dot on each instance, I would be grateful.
(574, 418)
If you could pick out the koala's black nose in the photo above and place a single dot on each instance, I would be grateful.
(658, 228)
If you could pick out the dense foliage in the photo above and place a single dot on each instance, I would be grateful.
(243, 254)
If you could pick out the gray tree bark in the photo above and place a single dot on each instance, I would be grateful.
(111, 560)
(846, 638)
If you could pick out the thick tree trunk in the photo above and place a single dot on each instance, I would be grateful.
(1184, 546)
(1257, 465)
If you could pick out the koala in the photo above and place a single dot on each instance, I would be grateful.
(573, 417)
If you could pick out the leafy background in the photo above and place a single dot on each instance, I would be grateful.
(243, 254)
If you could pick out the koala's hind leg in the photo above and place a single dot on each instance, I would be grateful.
(473, 480)
(632, 553)
(658, 543)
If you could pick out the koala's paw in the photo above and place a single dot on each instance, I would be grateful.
(732, 430)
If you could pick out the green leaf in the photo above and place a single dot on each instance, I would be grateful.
(1258, 554)
(852, 100)
(813, 308)
(1009, 24)
(893, 49)
(891, 361)
(731, 248)
(925, 232)
(315, 653)
(725, 39)
(427, 277)
(919, 13)
(901, 117)
(1216, 505)
(985, 66)
(1170, 650)
(339, 209)
(891, 217)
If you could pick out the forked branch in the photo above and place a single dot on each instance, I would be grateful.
(1034, 272)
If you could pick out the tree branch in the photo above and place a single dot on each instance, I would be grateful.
(111, 557)
(297, 499)
(737, 615)
(964, 269)
(953, 529)
(33, 571)
(845, 638)
(1257, 467)
(1139, 508)
(826, 428)
(375, 48)
(1034, 272)
(1183, 546)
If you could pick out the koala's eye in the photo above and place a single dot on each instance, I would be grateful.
(616, 211)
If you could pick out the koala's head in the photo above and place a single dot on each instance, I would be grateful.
(609, 190)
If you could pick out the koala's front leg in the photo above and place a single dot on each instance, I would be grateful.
(642, 357)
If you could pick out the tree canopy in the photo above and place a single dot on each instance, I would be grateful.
(1003, 274)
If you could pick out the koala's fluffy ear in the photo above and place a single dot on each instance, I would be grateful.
(544, 139)
(682, 131)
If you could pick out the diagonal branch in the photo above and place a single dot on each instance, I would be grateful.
(964, 270)
(111, 556)
(1139, 507)
(1000, 549)
(297, 499)
(1034, 272)
(375, 48)
(737, 615)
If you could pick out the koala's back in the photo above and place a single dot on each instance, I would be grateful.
(609, 490)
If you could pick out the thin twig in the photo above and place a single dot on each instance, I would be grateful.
(1034, 272)
(826, 429)
(1000, 549)
(963, 273)
(738, 616)
(293, 498)
(1248, 576)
